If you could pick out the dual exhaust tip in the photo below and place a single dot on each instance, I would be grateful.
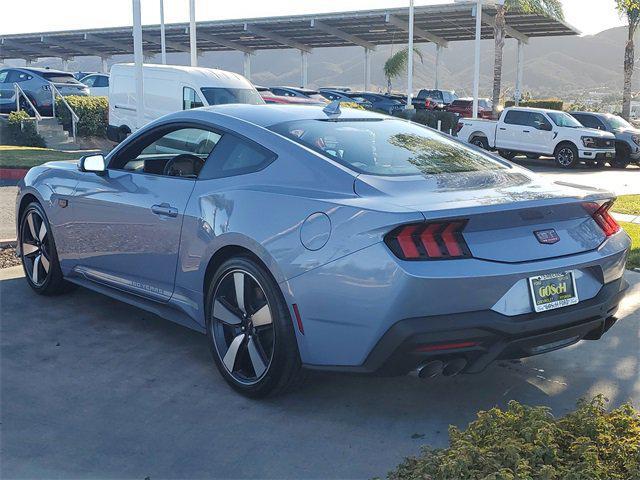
(447, 368)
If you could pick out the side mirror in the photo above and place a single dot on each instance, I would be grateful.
(92, 163)
(545, 126)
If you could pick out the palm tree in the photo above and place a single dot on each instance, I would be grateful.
(553, 8)
(396, 64)
(631, 10)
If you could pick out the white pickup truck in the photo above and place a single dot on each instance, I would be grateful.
(538, 132)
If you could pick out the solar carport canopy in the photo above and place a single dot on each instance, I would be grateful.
(439, 24)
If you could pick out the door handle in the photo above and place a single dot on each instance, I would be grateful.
(526, 131)
(165, 209)
(502, 128)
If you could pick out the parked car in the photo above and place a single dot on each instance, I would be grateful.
(98, 84)
(368, 244)
(627, 136)
(433, 99)
(464, 108)
(36, 84)
(347, 97)
(80, 75)
(536, 131)
(269, 97)
(298, 92)
(170, 88)
(387, 103)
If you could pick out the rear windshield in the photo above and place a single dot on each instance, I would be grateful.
(59, 77)
(219, 95)
(386, 147)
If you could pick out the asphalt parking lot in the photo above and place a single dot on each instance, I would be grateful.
(94, 388)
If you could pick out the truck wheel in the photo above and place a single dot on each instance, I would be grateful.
(567, 156)
(622, 157)
(481, 142)
(508, 154)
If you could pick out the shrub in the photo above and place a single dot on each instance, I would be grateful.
(529, 443)
(430, 118)
(21, 130)
(93, 113)
(550, 103)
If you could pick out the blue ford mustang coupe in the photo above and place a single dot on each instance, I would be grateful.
(302, 237)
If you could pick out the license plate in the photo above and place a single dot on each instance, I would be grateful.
(553, 290)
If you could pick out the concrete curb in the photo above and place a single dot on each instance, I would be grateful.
(623, 217)
(5, 243)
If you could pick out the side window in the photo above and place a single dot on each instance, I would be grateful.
(235, 156)
(89, 81)
(515, 117)
(180, 152)
(589, 121)
(3, 76)
(190, 99)
(101, 81)
(16, 76)
(536, 120)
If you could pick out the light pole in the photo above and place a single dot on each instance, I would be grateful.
(476, 68)
(137, 58)
(192, 33)
(163, 48)
(410, 58)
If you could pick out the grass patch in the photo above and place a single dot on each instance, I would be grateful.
(633, 229)
(27, 157)
(629, 204)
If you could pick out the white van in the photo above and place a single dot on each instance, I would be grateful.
(170, 88)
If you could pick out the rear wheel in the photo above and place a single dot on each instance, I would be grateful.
(250, 330)
(480, 142)
(567, 156)
(38, 252)
(508, 154)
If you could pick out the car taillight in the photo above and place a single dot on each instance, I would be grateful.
(429, 241)
(600, 213)
(427, 103)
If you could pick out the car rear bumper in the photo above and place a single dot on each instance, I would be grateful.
(481, 337)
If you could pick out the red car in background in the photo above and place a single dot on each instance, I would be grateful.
(464, 108)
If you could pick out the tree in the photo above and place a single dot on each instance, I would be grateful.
(552, 8)
(396, 64)
(631, 10)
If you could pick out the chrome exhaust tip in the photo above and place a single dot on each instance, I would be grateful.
(454, 367)
(430, 369)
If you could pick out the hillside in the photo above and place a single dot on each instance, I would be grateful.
(553, 66)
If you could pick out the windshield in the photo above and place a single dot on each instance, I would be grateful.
(386, 147)
(220, 95)
(562, 119)
(59, 77)
(617, 122)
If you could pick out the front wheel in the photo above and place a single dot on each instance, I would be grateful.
(508, 154)
(567, 156)
(38, 252)
(250, 330)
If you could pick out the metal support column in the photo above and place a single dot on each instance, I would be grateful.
(519, 73)
(367, 69)
(104, 68)
(137, 57)
(304, 65)
(438, 64)
(192, 33)
(410, 58)
(163, 47)
(65, 64)
(476, 68)
(246, 66)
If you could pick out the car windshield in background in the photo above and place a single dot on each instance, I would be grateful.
(220, 96)
(59, 78)
(386, 147)
(617, 122)
(562, 119)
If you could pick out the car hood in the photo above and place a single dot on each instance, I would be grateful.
(628, 131)
(594, 132)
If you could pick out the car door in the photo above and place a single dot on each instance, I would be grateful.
(509, 131)
(539, 136)
(127, 222)
(7, 93)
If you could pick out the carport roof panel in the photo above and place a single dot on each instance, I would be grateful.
(450, 22)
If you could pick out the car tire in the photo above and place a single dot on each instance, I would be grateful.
(508, 154)
(480, 142)
(566, 155)
(254, 349)
(38, 252)
(622, 159)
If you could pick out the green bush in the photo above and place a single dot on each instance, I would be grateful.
(550, 103)
(430, 118)
(528, 443)
(21, 130)
(93, 113)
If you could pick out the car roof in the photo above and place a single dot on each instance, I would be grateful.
(271, 114)
(40, 70)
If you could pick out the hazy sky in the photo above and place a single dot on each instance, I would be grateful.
(589, 16)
